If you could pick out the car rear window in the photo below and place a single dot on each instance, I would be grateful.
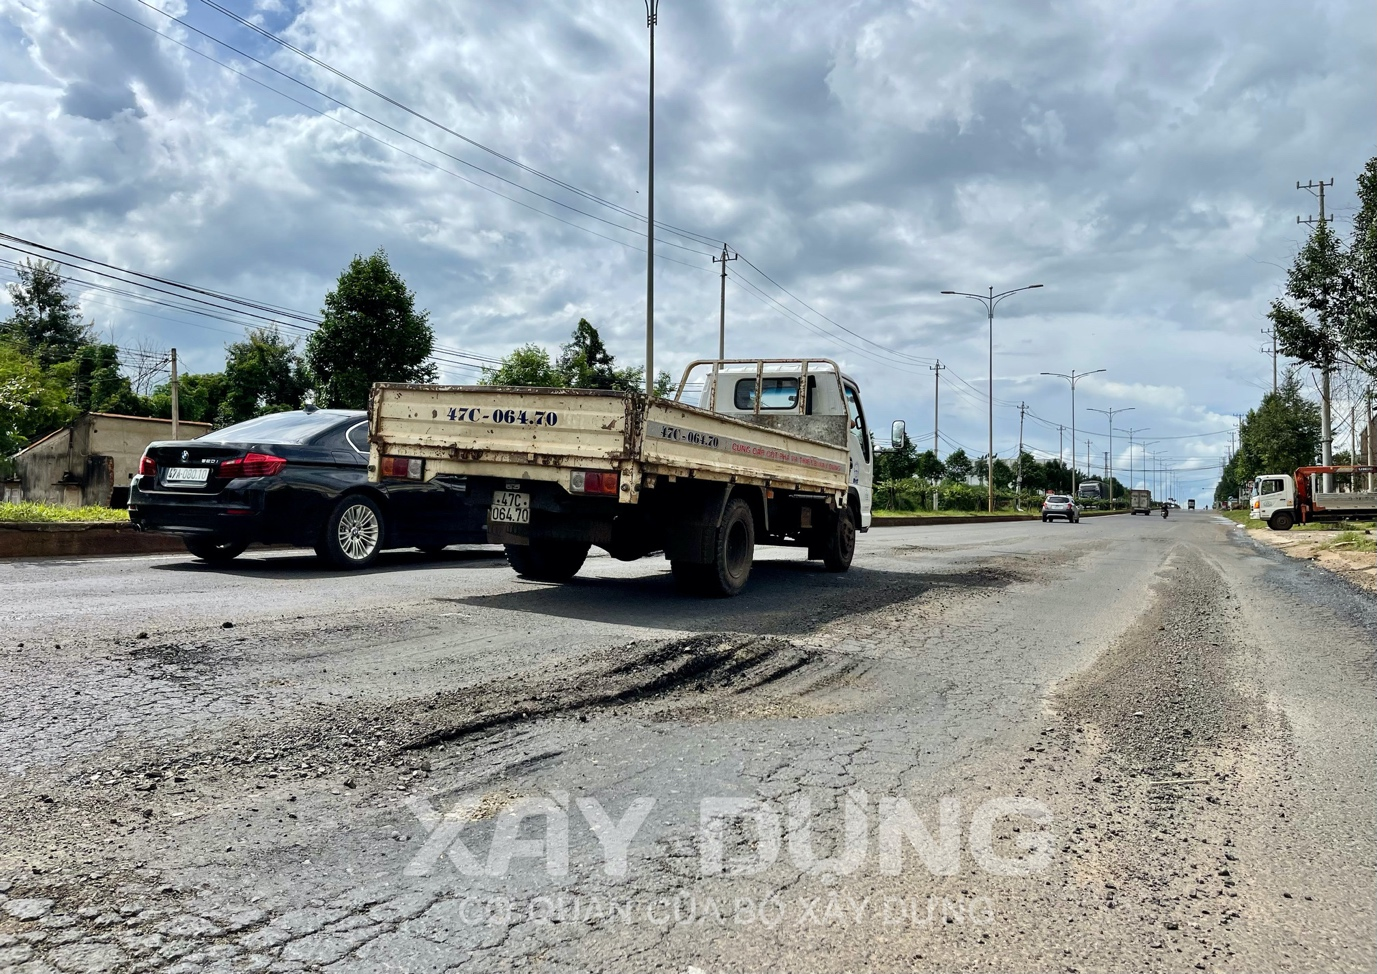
(291, 427)
(1057, 499)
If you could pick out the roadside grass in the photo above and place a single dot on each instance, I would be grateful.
(1358, 529)
(30, 512)
(1350, 541)
(1003, 512)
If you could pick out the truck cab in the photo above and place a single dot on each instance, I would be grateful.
(1274, 500)
(767, 393)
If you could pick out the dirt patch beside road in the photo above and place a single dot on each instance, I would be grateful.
(1338, 552)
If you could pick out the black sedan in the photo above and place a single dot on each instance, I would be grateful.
(298, 478)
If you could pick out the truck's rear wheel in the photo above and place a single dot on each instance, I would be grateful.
(841, 542)
(1281, 521)
(733, 553)
(547, 561)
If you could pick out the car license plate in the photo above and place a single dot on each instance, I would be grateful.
(186, 475)
(509, 507)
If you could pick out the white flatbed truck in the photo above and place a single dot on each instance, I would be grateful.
(775, 451)
(1283, 500)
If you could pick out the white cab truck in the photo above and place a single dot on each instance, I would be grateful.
(1140, 501)
(1283, 500)
(774, 451)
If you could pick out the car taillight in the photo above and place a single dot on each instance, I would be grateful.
(410, 468)
(251, 465)
(147, 467)
(592, 482)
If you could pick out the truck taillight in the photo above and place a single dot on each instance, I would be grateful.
(147, 468)
(592, 482)
(251, 465)
(407, 468)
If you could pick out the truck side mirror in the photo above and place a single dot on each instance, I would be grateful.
(898, 434)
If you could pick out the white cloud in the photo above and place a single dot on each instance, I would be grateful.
(1135, 157)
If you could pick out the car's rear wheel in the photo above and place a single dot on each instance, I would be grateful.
(214, 551)
(353, 533)
(547, 561)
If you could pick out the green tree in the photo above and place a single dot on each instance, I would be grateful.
(34, 401)
(585, 363)
(199, 397)
(929, 467)
(46, 321)
(370, 332)
(99, 385)
(896, 463)
(1329, 317)
(959, 466)
(528, 365)
(1281, 434)
(263, 374)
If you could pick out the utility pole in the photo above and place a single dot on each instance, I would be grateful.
(1314, 189)
(175, 417)
(652, 16)
(1326, 431)
(722, 315)
(1372, 448)
(1109, 470)
(1088, 467)
(1272, 334)
(1352, 443)
(1018, 489)
(1061, 445)
(936, 394)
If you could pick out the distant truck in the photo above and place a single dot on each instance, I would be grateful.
(1090, 490)
(774, 451)
(1283, 500)
(1190, 504)
(1140, 501)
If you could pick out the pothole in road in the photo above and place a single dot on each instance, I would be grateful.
(707, 676)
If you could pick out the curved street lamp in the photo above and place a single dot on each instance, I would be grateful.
(989, 301)
(1073, 378)
(1109, 472)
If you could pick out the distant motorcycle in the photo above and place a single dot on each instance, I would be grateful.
(1164, 510)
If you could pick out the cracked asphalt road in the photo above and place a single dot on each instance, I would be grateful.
(1119, 745)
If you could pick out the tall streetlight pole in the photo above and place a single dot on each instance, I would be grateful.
(1073, 378)
(652, 14)
(1109, 463)
(1130, 432)
(989, 301)
(1146, 457)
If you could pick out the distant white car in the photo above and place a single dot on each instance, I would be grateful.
(1060, 505)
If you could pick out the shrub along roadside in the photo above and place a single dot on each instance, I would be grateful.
(30, 512)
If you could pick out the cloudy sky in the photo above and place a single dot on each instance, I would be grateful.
(1137, 157)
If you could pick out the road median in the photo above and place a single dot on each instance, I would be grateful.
(80, 539)
(925, 520)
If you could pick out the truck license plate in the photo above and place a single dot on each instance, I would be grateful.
(509, 507)
(186, 475)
